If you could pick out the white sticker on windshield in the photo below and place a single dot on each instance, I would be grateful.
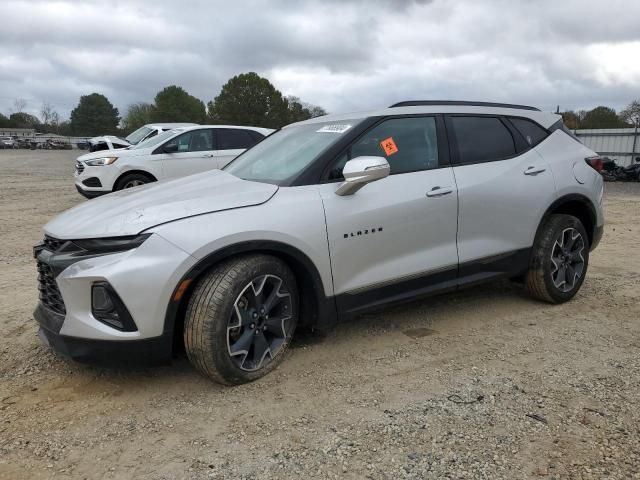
(334, 128)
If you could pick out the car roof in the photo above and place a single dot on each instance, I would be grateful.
(241, 127)
(426, 107)
(169, 125)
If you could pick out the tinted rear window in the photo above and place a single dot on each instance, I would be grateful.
(530, 130)
(482, 139)
(231, 138)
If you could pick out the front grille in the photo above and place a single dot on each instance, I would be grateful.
(79, 167)
(52, 244)
(49, 293)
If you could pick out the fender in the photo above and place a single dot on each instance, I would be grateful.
(579, 206)
(129, 172)
(316, 310)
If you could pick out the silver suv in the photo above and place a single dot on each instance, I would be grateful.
(321, 221)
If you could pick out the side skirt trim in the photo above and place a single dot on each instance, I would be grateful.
(509, 264)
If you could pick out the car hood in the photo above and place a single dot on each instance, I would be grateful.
(129, 212)
(118, 152)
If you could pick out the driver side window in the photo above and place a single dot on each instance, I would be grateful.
(409, 144)
(193, 141)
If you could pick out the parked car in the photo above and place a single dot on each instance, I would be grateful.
(7, 142)
(174, 153)
(323, 220)
(111, 142)
(107, 142)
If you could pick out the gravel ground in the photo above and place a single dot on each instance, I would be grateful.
(483, 383)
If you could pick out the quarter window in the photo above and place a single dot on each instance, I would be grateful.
(232, 138)
(531, 131)
(409, 144)
(482, 139)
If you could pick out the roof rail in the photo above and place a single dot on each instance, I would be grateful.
(417, 103)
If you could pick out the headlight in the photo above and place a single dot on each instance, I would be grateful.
(113, 244)
(99, 162)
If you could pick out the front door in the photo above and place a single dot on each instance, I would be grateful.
(396, 237)
(195, 153)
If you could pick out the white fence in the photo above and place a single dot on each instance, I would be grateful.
(619, 144)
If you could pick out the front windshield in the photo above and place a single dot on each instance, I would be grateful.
(284, 154)
(135, 137)
(153, 141)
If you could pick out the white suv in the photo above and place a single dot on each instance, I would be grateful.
(174, 153)
(323, 220)
(111, 142)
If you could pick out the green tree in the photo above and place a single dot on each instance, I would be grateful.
(23, 120)
(174, 104)
(631, 114)
(299, 110)
(248, 99)
(601, 117)
(4, 121)
(94, 115)
(138, 114)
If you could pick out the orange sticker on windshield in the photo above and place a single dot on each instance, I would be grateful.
(389, 146)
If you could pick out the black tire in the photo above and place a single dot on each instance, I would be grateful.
(133, 180)
(544, 279)
(210, 329)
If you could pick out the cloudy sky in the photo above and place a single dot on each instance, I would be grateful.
(342, 55)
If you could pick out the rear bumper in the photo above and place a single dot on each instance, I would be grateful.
(148, 351)
(597, 236)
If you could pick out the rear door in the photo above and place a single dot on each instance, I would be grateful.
(504, 187)
(395, 237)
(231, 143)
(195, 153)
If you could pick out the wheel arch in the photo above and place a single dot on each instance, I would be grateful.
(131, 172)
(578, 206)
(316, 309)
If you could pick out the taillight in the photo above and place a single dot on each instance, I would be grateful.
(595, 162)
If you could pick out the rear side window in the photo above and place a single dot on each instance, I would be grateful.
(231, 139)
(559, 125)
(530, 130)
(482, 139)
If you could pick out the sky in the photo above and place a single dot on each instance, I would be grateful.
(342, 55)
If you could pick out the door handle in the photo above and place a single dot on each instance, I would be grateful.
(534, 170)
(439, 191)
(208, 155)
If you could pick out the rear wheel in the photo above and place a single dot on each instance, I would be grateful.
(559, 260)
(133, 180)
(241, 318)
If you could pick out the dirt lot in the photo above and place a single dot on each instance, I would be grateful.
(484, 383)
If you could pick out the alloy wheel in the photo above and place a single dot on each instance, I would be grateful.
(260, 322)
(567, 259)
(133, 183)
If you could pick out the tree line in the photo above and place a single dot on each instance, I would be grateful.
(603, 117)
(246, 99)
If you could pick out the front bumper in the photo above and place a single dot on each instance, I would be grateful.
(148, 351)
(90, 193)
(144, 279)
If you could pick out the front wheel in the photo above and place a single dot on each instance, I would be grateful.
(559, 259)
(132, 180)
(241, 318)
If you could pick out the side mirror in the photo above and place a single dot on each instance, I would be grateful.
(360, 171)
(170, 148)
